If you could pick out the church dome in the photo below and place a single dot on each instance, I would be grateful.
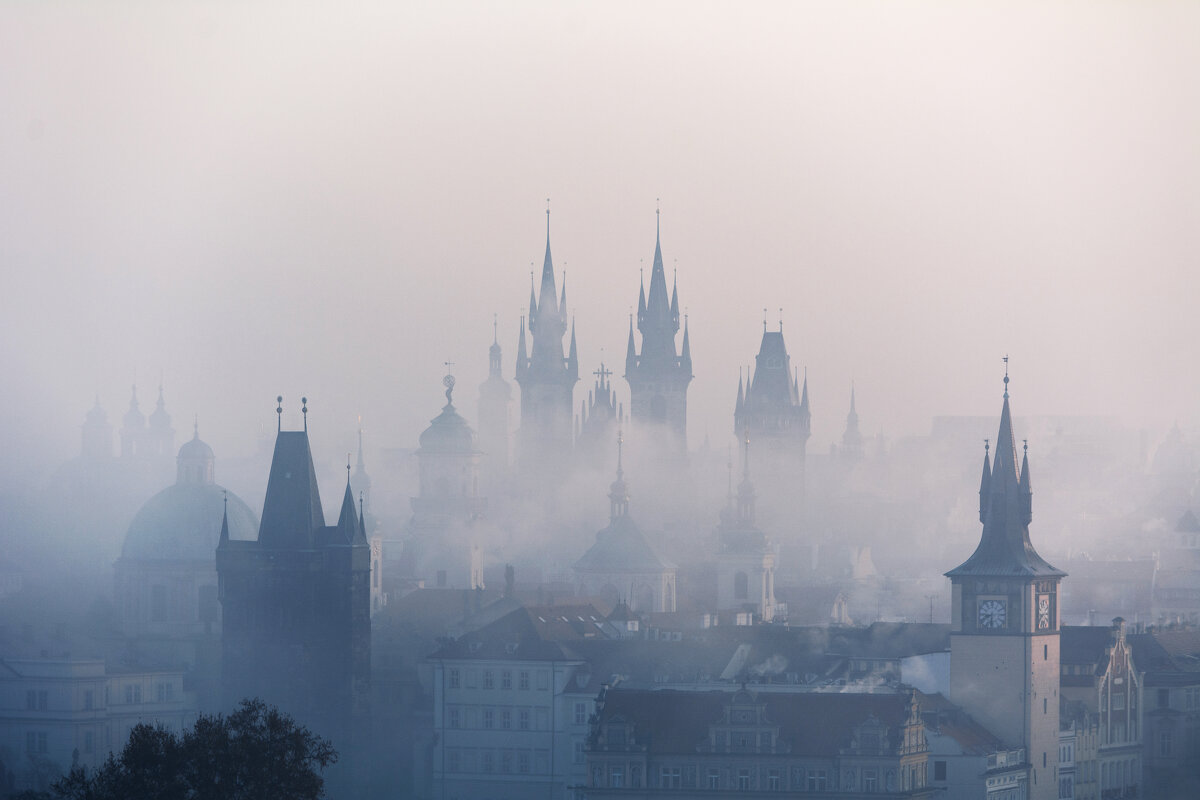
(448, 433)
(183, 522)
(195, 450)
(97, 416)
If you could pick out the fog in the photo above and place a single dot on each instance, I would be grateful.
(334, 202)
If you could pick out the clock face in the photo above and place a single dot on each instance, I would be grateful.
(992, 614)
(1043, 611)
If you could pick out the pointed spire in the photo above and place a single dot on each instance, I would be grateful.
(562, 303)
(745, 500)
(573, 356)
(348, 518)
(522, 352)
(984, 482)
(224, 540)
(532, 300)
(804, 409)
(1025, 494)
(686, 358)
(630, 351)
(741, 397)
(618, 494)
(641, 298)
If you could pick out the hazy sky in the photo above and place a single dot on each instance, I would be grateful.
(333, 199)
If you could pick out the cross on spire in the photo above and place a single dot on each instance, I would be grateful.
(1005, 359)
(603, 372)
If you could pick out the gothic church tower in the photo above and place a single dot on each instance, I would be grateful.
(547, 379)
(658, 377)
(1004, 640)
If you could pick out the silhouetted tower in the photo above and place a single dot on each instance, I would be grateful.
(133, 429)
(1004, 640)
(295, 603)
(97, 435)
(659, 376)
(852, 440)
(546, 377)
(773, 408)
(495, 397)
(160, 436)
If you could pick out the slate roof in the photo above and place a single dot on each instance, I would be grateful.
(1004, 547)
(948, 719)
(1169, 658)
(621, 547)
(513, 637)
(292, 515)
(813, 723)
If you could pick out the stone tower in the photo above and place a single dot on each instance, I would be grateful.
(745, 556)
(295, 602)
(599, 416)
(546, 377)
(658, 377)
(1004, 641)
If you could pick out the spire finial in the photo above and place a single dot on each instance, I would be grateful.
(657, 215)
(225, 500)
(304, 411)
(1025, 442)
(547, 219)
(448, 382)
(1005, 376)
(279, 413)
(495, 328)
(361, 515)
(347, 468)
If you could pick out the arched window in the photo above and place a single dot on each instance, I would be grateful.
(741, 586)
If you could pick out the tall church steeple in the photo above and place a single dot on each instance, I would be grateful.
(547, 377)
(1004, 642)
(658, 377)
(495, 397)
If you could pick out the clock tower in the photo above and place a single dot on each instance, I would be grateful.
(1004, 641)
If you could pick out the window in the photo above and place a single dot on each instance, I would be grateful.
(616, 777)
(488, 718)
(581, 713)
(455, 718)
(672, 778)
(523, 761)
(506, 719)
(714, 779)
(1164, 743)
(939, 770)
(773, 782)
(489, 680)
(870, 780)
(616, 735)
(523, 680)
(506, 679)
(764, 740)
(454, 679)
(506, 761)
(1118, 702)
(489, 764)
(743, 779)
(523, 719)
(577, 756)
(133, 693)
(818, 780)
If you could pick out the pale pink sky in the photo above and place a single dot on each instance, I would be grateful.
(333, 199)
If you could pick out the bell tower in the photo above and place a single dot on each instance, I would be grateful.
(1004, 640)
(658, 377)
